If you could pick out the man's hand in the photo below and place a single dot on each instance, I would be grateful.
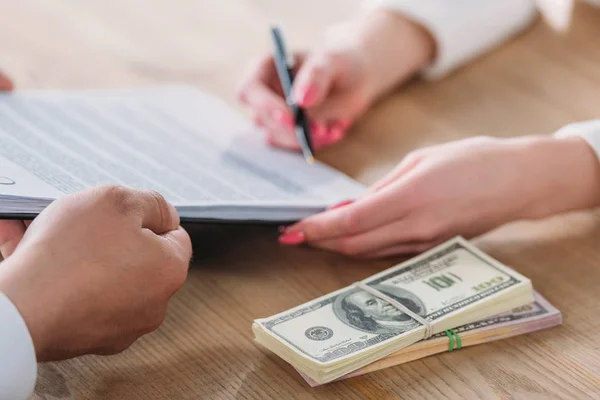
(11, 232)
(96, 270)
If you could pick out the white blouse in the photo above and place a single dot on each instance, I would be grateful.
(465, 29)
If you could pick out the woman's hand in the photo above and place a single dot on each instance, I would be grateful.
(358, 62)
(464, 188)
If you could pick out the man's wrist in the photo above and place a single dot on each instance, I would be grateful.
(19, 294)
(395, 48)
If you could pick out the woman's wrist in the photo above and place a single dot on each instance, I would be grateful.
(394, 49)
(558, 175)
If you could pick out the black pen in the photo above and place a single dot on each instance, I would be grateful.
(284, 63)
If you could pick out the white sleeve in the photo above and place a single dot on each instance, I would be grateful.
(18, 366)
(588, 130)
(462, 29)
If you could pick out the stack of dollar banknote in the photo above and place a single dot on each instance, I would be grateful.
(453, 296)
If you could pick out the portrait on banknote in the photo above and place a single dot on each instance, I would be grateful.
(364, 311)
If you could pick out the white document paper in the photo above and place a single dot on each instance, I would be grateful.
(189, 146)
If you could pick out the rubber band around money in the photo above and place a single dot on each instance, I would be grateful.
(452, 337)
(458, 340)
(399, 306)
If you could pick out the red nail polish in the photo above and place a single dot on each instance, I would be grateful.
(319, 131)
(292, 238)
(281, 117)
(309, 94)
(341, 204)
(335, 135)
(343, 125)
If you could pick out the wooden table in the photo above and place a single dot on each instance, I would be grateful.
(534, 84)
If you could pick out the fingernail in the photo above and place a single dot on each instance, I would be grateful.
(337, 131)
(292, 238)
(319, 131)
(341, 204)
(343, 125)
(282, 117)
(308, 94)
(334, 135)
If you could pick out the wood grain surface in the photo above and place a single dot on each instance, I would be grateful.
(534, 84)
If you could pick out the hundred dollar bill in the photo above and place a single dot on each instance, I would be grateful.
(521, 320)
(450, 285)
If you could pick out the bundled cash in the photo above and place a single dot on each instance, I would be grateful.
(449, 286)
(521, 320)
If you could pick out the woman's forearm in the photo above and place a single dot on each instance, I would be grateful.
(394, 48)
(563, 173)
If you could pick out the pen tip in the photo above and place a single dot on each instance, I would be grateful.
(310, 159)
